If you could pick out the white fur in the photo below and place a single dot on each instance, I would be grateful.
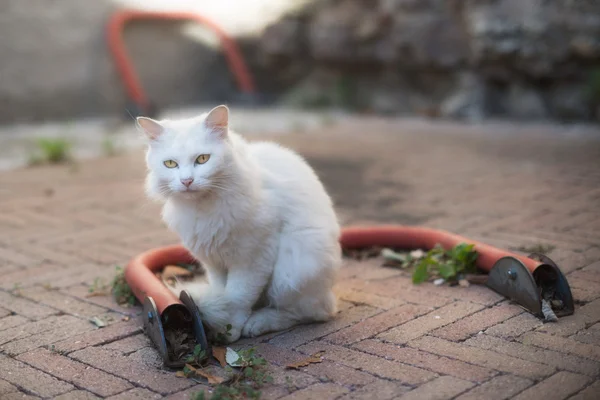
(257, 217)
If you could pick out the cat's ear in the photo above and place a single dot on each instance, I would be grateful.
(153, 129)
(217, 120)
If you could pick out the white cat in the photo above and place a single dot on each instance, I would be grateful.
(254, 214)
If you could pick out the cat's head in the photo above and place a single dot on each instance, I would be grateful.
(187, 157)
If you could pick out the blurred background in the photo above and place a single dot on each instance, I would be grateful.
(462, 60)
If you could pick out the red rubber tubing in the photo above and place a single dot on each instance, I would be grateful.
(139, 273)
(130, 80)
(409, 237)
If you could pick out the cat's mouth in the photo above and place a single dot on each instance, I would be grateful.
(193, 192)
(189, 191)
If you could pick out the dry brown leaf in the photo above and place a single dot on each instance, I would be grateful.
(180, 374)
(314, 359)
(219, 354)
(175, 270)
(212, 379)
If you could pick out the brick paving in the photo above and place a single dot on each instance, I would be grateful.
(62, 227)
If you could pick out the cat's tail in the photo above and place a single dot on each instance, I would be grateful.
(211, 303)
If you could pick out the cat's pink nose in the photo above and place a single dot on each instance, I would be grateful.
(187, 182)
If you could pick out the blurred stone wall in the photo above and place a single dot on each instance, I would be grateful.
(54, 62)
(523, 59)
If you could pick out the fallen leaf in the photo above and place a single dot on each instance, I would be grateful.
(390, 254)
(212, 379)
(174, 270)
(98, 322)
(314, 359)
(417, 254)
(219, 353)
(464, 283)
(180, 374)
(233, 358)
(439, 282)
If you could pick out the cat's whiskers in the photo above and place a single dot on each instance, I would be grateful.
(216, 186)
(164, 189)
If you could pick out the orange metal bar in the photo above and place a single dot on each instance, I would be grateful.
(125, 68)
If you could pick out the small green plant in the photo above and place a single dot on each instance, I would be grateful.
(108, 147)
(253, 375)
(198, 357)
(447, 264)
(121, 290)
(98, 288)
(221, 338)
(16, 290)
(198, 396)
(53, 349)
(51, 150)
(345, 92)
(252, 364)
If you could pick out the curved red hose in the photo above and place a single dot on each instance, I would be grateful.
(411, 237)
(139, 274)
(142, 280)
(125, 68)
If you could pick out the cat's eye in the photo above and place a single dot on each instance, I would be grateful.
(170, 164)
(202, 158)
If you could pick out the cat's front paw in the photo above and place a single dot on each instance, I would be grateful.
(224, 335)
(234, 334)
(233, 331)
(256, 325)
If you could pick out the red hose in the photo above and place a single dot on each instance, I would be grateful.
(139, 272)
(125, 68)
(409, 237)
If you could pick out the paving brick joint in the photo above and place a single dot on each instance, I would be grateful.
(64, 230)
